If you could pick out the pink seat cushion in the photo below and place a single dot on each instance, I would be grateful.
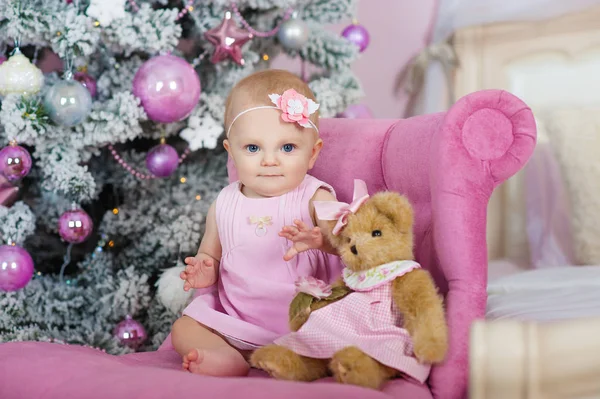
(54, 371)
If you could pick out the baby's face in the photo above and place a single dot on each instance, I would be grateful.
(271, 156)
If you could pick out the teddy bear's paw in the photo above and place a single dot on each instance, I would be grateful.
(283, 364)
(272, 367)
(352, 366)
(268, 358)
(430, 347)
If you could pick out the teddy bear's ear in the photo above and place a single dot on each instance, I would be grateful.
(396, 207)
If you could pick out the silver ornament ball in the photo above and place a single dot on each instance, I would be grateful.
(293, 34)
(68, 102)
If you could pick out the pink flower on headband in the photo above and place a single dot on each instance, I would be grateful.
(295, 107)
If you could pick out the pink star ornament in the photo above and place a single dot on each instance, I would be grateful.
(228, 40)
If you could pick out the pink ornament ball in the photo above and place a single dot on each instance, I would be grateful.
(75, 226)
(168, 88)
(358, 35)
(87, 81)
(162, 160)
(15, 162)
(16, 267)
(130, 332)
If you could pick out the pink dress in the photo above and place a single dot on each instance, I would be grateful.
(249, 305)
(366, 318)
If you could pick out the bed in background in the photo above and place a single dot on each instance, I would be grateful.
(546, 219)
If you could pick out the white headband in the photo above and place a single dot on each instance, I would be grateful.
(295, 108)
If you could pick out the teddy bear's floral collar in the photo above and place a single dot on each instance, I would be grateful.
(366, 280)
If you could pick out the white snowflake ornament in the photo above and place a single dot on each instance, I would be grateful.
(201, 132)
(106, 11)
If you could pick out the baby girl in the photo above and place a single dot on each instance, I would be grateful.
(261, 232)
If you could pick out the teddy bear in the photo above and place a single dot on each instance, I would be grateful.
(383, 319)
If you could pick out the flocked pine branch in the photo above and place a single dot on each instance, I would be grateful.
(63, 173)
(146, 30)
(24, 119)
(336, 91)
(113, 121)
(27, 22)
(329, 11)
(72, 34)
(118, 77)
(16, 223)
(328, 50)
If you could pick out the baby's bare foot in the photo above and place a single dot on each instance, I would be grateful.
(222, 362)
(185, 362)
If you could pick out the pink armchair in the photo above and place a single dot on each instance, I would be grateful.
(448, 164)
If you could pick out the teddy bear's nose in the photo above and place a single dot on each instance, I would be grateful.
(353, 250)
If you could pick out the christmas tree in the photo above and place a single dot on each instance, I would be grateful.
(110, 163)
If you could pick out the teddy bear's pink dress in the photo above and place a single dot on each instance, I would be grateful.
(366, 318)
(249, 304)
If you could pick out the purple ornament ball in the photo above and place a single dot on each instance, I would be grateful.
(356, 111)
(87, 81)
(16, 268)
(75, 226)
(168, 87)
(2, 59)
(130, 332)
(15, 162)
(162, 160)
(358, 35)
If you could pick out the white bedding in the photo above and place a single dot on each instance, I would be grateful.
(546, 294)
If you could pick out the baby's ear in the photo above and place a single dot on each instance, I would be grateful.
(315, 153)
(396, 207)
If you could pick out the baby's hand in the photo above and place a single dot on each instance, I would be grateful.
(200, 272)
(302, 237)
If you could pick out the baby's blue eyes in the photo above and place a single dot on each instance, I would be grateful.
(252, 148)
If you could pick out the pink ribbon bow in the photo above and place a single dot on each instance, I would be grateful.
(331, 210)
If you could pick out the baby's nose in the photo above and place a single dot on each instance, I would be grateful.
(269, 160)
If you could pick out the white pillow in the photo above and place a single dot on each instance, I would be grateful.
(574, 135)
